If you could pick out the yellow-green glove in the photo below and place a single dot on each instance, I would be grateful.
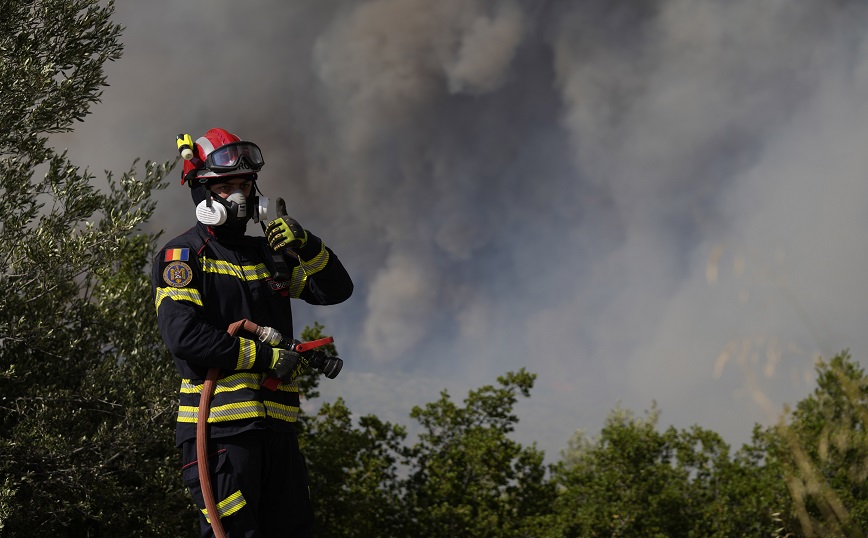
(285, 231)
(286, 364)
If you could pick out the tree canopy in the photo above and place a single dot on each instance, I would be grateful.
(85, 406)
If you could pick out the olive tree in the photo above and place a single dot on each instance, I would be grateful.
(86, 388)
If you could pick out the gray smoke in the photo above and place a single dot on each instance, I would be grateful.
(635, 200)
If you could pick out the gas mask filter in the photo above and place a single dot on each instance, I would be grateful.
(235, 210)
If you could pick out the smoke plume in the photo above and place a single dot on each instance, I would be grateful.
(638, 201)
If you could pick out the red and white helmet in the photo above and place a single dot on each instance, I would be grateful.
(217, 156)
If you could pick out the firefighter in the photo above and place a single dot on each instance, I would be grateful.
(215, 274)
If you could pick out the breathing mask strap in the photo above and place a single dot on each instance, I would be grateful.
(273, 260)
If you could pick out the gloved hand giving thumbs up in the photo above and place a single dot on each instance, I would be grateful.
(285, 231)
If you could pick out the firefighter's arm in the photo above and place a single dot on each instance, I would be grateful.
(326, 281)
(319, 278)
(316, 275)
(183, 325)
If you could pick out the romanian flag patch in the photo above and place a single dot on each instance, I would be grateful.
(177, 254)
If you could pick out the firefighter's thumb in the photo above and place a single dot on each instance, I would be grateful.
(281, 208)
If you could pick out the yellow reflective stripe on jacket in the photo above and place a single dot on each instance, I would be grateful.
(292, 386)
(242, 272)
(223, 413)
(315, 264)
(187, 387)
(248, 408)
(236, 411)
(242, 380)
(178, 294)
(288, 413)
(228, 506)
(246, 354)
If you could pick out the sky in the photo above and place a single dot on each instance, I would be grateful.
(642, 202)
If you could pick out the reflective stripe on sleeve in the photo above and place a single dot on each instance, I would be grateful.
(306, 269)
(246, 354)
(317, 263)
(178, 294)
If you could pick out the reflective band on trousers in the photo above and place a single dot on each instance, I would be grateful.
(228, 506)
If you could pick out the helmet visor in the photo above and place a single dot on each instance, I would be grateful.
(235, 156)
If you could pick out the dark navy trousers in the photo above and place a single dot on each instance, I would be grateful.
(260, 483)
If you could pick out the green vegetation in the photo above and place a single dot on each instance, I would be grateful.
(86, 387)
(88, 391)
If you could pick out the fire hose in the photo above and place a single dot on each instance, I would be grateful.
(331, 368)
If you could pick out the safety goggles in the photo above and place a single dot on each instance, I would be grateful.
(234, 156)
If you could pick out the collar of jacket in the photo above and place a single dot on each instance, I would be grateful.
(226, 235)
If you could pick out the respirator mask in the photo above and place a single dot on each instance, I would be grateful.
(235, 211)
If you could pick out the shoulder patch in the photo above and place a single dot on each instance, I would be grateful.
(177, 274)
